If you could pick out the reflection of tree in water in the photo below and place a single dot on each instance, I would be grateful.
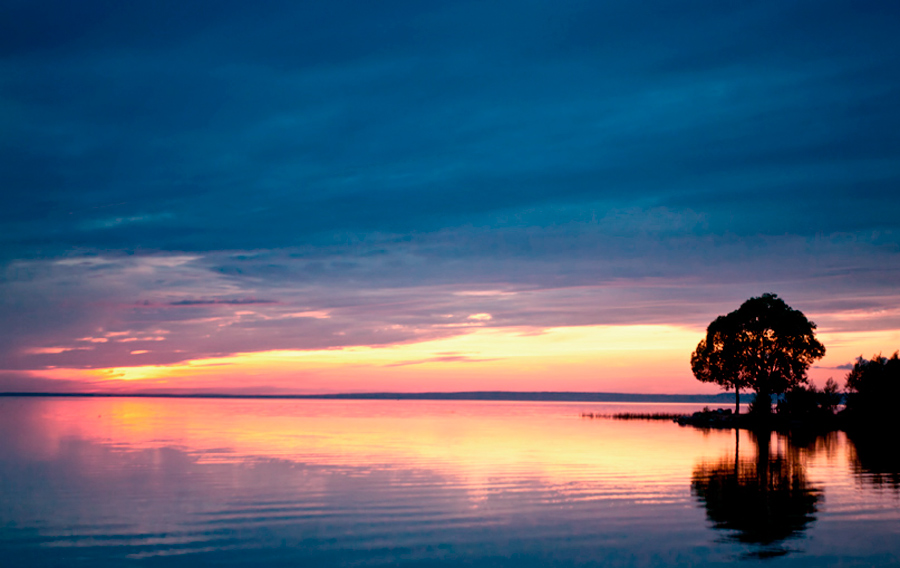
(764, 500)
(874, 460)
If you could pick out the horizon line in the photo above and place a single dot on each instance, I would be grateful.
(537, 396)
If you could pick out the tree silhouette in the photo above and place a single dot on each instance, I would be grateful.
(764, 345)
(874, 388)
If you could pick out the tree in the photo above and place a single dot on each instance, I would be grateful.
(765, 345)
(874, 387)
(831, 396)
(714, 360)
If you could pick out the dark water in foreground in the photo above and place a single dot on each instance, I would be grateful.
(144, 482)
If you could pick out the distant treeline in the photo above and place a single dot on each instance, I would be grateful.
(473, 395)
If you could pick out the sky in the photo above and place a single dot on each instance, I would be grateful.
(317, 197)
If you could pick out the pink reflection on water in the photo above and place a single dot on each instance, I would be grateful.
(171, 476)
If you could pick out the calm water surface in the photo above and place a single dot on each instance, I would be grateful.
(146, 482)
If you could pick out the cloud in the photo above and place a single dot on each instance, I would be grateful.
(389, 172)
(481, 317)
(423, 288)
(450, 358)
(18, 382)
(234, 302)
(211, 133)
(844, 367)
(55, 350)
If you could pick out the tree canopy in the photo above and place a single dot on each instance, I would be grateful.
(765, 345)
(874, 387)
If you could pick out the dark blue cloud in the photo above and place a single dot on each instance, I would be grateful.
(227, 302)
(216, 125)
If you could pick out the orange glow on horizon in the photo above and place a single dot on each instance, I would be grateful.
(639, 358)
(585, 358)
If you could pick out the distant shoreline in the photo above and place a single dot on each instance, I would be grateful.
(722, 398)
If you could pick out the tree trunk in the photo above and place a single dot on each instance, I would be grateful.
(737, 400)
(763, 405)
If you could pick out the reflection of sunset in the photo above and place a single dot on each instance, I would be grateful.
(176, 476)
(474, 444)
(471, 441)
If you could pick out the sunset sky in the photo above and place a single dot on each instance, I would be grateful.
(318, 197)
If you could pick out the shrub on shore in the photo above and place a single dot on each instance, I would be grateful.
(808, 404)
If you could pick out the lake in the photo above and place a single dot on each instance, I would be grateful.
(191, 482)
